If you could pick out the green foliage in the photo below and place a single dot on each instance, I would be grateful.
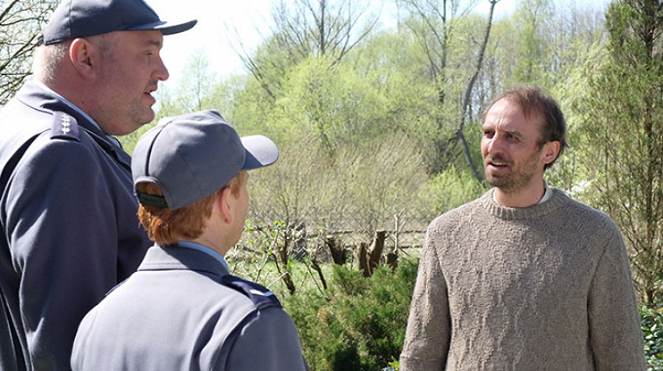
(266, 254)
(253, 110)
(451, 188)
(335, 102)
(363, 187)
(359, 323)
(652, 328)
(530, 21)
(448, 41)
(622, 135)
(394, 66)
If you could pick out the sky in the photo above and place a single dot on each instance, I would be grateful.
(210, 35)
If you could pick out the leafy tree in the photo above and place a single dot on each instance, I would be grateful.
(20, 22)
(307, 28)
(338, 104)
(200, 89)
(359, 189)
(530, 20)
(434, 25)
(391, 64)
(577, 51)
(623, 133)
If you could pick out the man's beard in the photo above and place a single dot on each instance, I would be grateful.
(517, 179)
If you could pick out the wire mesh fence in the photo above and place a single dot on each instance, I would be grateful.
(315, 232)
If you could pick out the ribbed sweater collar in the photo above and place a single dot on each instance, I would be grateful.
(488, 202)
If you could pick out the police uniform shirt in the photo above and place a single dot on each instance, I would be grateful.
(182, 310)
(69, 226)
(64, 100)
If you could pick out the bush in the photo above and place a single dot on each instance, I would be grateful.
(652, 328)
(359, 323)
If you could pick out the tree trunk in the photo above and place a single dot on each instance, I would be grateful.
(336, 249)
(468, 95)
(361, 256)
(375, 252)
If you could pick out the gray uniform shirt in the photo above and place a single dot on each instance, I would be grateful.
(68, 226)
(183, 311)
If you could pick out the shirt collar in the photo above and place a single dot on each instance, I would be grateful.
(547, 195)
(206, 250)
(73, 106)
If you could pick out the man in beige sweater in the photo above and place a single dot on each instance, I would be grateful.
(523, 278)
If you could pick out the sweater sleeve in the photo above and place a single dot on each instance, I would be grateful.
(614, 323)
(429, 326)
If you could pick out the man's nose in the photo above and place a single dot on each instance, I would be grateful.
(495, 145)
(160, 71)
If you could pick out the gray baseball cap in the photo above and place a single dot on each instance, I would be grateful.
(81, 18)
(193, 155)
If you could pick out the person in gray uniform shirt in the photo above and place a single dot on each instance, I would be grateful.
(67, 210)
(182, 310)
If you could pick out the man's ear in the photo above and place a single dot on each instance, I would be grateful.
(82, 56)
(223, 203)
(551, 151)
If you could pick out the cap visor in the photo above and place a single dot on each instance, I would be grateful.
(260, 152)
(165, 27)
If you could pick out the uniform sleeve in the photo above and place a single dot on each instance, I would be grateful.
(429, 326)
(614, 323)
(62, 233)
(267, 340)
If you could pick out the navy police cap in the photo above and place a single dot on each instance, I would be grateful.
(82, 18)
(191, 156)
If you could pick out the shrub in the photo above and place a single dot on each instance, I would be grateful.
(359, 323)
(652, 328)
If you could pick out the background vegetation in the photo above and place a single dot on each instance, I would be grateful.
(379, 131)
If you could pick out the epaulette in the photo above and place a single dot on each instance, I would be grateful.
(64, 127)
(259, 295)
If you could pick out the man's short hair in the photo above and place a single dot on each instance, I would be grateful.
(47, 60)
(166, 227)
(537, 103)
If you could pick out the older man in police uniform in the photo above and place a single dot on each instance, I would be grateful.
(67, 210)
(182, 310)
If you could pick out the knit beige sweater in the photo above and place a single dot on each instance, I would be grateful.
(547, 287)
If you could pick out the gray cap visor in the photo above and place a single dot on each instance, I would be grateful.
(260, 151)
(166, 28)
